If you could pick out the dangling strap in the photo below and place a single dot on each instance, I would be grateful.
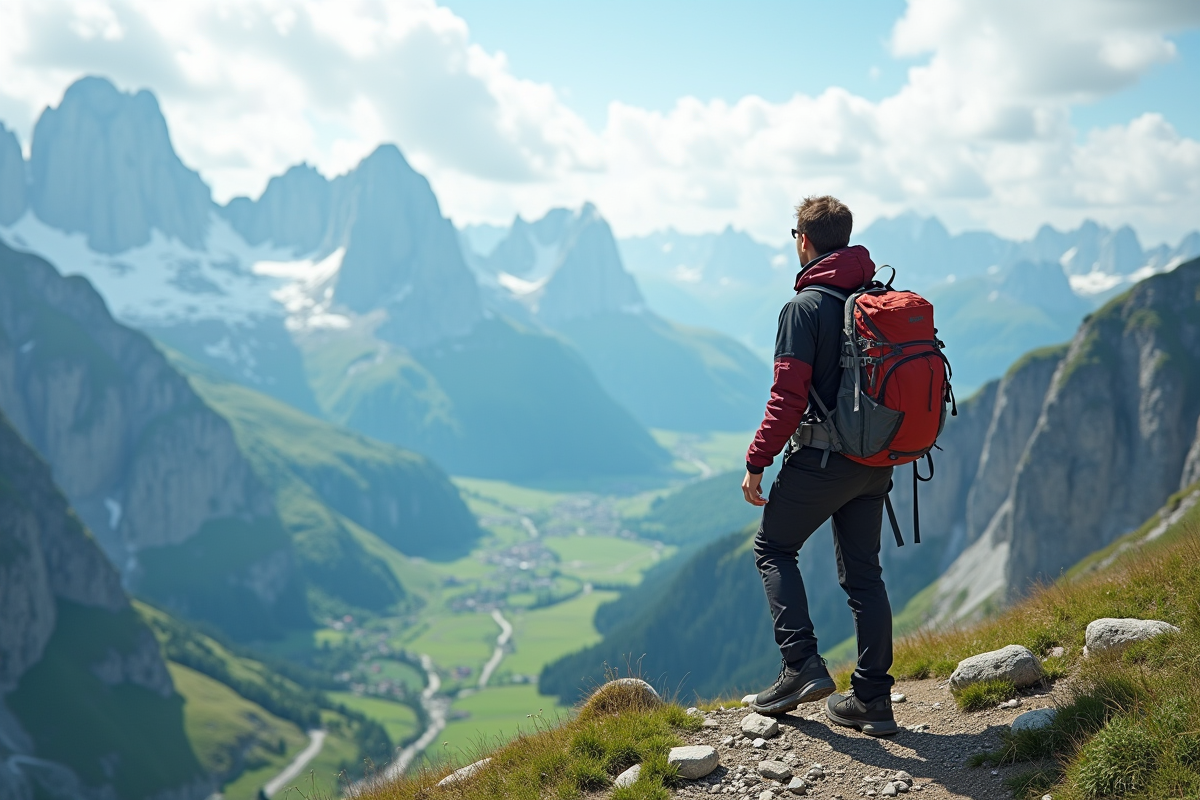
(916, 507)
(891, 512)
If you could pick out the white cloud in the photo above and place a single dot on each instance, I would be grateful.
(979, 133)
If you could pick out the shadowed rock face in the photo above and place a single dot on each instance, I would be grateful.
(143, 460)
(55, 584)
(12, 178)
(1085, 442)
(102, 164)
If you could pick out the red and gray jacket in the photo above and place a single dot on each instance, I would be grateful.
(808, 348)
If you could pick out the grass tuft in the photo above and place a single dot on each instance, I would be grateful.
(1118, 760)
(984, 695)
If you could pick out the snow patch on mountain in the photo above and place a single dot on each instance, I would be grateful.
(165, 281)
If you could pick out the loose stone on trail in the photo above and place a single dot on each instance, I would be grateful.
(758, 725)
(775, 770)
(694, 761)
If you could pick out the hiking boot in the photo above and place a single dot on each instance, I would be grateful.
(874, 718)
(795, 686)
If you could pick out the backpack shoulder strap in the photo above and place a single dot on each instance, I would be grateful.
(826, 290)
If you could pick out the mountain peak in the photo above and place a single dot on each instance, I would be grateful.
(102, 164)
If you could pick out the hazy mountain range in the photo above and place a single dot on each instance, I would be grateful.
(995, 297)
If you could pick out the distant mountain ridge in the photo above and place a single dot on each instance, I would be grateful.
(330, 295)
(737, 284)
(564, 271)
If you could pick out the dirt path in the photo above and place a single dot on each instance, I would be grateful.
(935, 757)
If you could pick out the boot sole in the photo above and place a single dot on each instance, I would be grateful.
(812, 691)
(882, 728)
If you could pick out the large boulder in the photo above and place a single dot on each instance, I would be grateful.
(694, 761)
(1108, 633)
(1013, 663)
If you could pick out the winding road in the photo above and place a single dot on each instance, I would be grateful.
(506, 630)
(316, 740)
(436, 707)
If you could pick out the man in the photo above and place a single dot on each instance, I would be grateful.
(815, 484)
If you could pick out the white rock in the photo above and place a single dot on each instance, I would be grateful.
(920, 727)
(1057, 652)
(693, 711)
(798, 786)
(775, 770)
(937, 705)
(629, 776)
(766, 794)
(748, 699)
(694, 761)
(898, 697)
(463, 773)
(1114, 634)
(758, 725)
(1014, 663)
(902, 776)
(1034, 720)
(727, 741)
(890, 790)
(760, 743)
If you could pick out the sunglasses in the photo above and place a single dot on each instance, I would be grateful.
(795, 233)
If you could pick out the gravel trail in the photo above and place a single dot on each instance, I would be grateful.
(935, 757)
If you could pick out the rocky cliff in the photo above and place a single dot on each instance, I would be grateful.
(149, 467)
(102, 164)
(1085, 442)
(400, 255)
(12, 178)
(76, 664)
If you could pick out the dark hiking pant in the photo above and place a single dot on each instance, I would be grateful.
(802, 497)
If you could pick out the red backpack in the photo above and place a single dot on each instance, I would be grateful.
(895, 389)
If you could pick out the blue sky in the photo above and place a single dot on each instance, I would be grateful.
(999, 114)
(651, 54)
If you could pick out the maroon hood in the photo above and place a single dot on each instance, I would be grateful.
(848, 268)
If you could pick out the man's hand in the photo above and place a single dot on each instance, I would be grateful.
(752, 489)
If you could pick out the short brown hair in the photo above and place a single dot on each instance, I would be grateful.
(826, 221)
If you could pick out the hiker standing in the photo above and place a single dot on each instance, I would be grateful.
(817, 481)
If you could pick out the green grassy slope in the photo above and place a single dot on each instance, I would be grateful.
(404, 498)
(126, 734)
(341, 496)
(673, 376)
(681, 638)
(246, 714)
(701, 511)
